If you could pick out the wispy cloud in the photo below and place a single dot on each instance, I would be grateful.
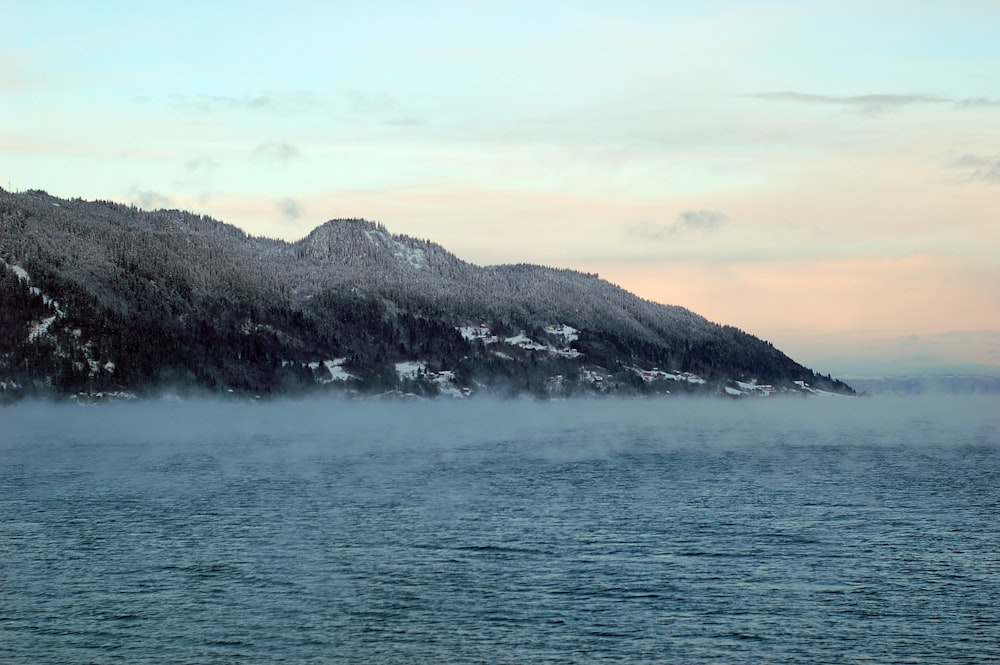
(979, 102)
(875, 102)
(697, 221)
(980, 167)
(200, 165)
(381, 105)
(289, 208)
(198, 173)
(208, 103)
(277, 152)
(282, 101)
(371, 101)
(148, 199)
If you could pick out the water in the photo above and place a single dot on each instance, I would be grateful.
(502, 532)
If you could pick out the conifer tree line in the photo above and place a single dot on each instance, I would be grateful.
(139, 300)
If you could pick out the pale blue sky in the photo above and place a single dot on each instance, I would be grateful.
(823, 174)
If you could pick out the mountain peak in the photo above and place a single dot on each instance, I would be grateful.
(348, 240)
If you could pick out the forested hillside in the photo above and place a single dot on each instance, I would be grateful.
(100, 297)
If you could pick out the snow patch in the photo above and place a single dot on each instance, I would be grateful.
(412, 255)
(568, 333)
(110, 396)
(410, 369)
(337, 372)
(484, 334)
(40, 328)
(334, 368)
(21, 273)
(523, 341)
(480, 332)
(415, 256)
(443, 380)
(655, 374)
(754, 388)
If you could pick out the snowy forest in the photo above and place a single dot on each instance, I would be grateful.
(102, 298)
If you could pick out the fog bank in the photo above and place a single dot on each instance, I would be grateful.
(917, 420)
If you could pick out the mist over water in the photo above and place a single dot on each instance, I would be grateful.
(686, 530)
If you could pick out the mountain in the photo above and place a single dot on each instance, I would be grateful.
(935, 384)
(104, 298)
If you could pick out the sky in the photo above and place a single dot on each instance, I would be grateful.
(824, 175)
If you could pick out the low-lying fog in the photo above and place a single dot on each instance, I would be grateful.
(358, 425)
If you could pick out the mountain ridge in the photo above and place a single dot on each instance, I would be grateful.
(350, 306)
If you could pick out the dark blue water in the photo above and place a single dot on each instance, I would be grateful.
(833, 531)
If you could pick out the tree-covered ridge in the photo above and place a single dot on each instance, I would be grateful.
(140, 300)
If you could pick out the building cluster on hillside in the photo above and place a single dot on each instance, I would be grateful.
(656, 374)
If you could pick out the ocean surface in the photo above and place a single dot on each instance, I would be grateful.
(674, 531)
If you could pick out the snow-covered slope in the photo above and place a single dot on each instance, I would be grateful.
(169, 297)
